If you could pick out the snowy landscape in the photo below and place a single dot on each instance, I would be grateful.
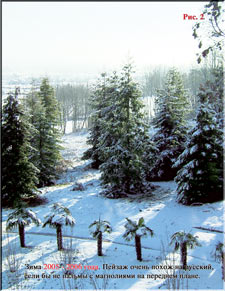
(37, 264)
(112, 146)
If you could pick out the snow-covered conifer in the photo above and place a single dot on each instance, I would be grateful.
(35, 112)
(213, 92)
(200, 178)
(46, 139)
(124, 138)
(49, 101)
(19, 175)
(99, 103)
(170, 124)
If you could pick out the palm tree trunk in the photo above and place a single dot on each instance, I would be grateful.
(183, 249)
(100, 244)
(138, 247)
(223, 268)
(59, 237)
(22, 236)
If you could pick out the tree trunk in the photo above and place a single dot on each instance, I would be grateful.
(138, 247)
(22, 236)
(183, 249)
(128, 180)
(64, 127)
(223, 264)
(59, 237)
(64, 120)
(100, 244)
(127, 184)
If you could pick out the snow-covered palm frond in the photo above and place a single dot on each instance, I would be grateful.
(59, 219)
(93, 223)
(143, 229)
(181, 237)
(128, 235)
(139, 228)
(60, 215)
(131, 225)
(177, 239)
(95, 233)
(59, 208)
(146, 230)
(131, 228)
(107, 227)
(21, 216)
(141, 222)
(192, 241)
(48, 221)
(101, 226)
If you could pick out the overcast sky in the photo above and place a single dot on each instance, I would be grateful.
(63, 38)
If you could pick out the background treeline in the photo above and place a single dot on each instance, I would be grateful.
(154, 80)
(74, 105)
(74, 100)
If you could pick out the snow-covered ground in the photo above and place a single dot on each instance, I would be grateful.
(37, 265)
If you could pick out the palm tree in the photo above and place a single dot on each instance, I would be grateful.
(59, 216)
(101, 226)
(21, 217)
(220, 256)
(137, 230)
(183, 241)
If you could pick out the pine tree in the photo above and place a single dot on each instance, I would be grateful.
(108, 132)
(170, 124)
(123, 138)
(200, 178)
(214, 93)
(98, 104)
(47, 155)
(45, 119)
(50, 104)
(35, 112)
(19, 175)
